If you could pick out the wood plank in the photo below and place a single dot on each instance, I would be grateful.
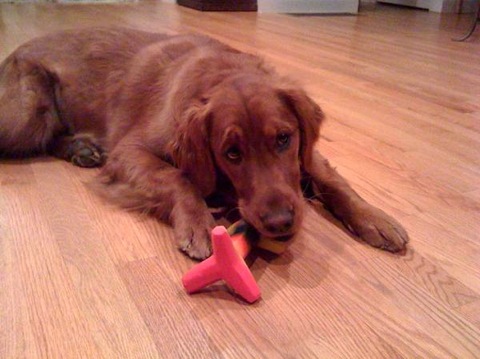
(443, 323)
(103, 300)
(166, 311)
(41, 315)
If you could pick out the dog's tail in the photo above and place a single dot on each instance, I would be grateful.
(28, 116)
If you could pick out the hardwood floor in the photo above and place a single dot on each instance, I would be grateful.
(80, 278)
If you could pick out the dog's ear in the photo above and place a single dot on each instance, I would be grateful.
(192, 150)
(310, 117)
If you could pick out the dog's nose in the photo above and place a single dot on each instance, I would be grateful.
(279, 222)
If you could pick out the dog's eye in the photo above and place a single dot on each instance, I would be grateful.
(234, 154)
(283, 140)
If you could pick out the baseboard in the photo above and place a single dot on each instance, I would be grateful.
(220, 5)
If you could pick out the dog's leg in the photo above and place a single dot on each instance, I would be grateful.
(368, 222)
(135, 178)
(81, 149)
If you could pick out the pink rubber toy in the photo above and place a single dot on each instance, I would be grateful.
(226, 263)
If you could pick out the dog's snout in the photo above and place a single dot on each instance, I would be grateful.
(279, 222)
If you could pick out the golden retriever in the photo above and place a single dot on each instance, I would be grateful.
(176, 121)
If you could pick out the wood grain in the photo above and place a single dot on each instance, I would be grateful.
(80, 278)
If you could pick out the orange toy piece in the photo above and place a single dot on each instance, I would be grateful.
(271, 245)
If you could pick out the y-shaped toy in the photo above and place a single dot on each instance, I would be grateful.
(227, 263)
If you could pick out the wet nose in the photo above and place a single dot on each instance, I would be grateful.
(279, 222)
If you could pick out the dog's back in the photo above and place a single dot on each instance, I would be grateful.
(60, 83)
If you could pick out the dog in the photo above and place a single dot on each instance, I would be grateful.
(175, 121)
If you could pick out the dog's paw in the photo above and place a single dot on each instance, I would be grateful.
(378, 229)
(195, 241)
(84, 153)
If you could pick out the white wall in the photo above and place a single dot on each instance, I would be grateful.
(308, 6)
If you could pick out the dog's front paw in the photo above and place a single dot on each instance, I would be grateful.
(194, 239)
(378, 229)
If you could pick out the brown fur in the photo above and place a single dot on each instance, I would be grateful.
(181, 118)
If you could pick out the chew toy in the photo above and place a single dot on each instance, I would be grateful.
(227, 262)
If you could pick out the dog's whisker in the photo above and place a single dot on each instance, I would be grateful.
(231, 210)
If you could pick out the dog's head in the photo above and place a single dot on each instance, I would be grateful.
(259, 135)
